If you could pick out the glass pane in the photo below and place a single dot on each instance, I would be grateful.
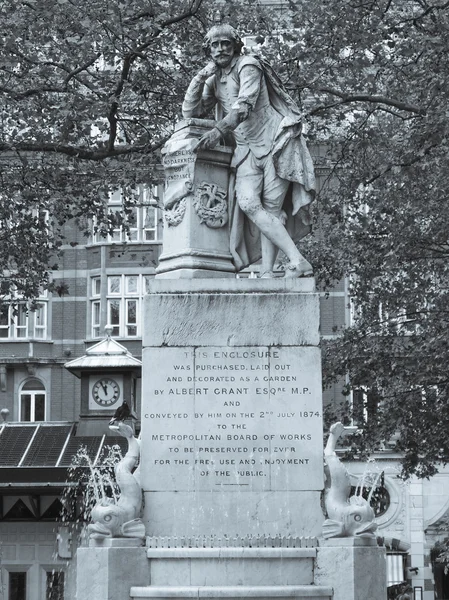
(116, 235)
(132, 235)
(95, 319)
(131, 284)
(55, 586)
(4, 315)
(116, 212)
(96, 284)
(115, 197)
(25, 407)
(150, 218)
(132, 217)
(150, 235)
(21, 319)
(114, 284)
(131, 330)
(131, 311)
(17, 585)
(34, 385)
(39, 407)
(95, 313)
(21, 315)
(114, 316)
(40, 321)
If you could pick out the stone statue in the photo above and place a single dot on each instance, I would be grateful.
(121, 519)
(347, 516)
(274, 179)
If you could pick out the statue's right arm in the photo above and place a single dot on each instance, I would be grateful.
(199, 98)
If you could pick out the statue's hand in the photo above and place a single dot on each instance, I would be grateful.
(209, 70)
(209, 140)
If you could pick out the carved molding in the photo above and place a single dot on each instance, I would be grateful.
(210, 205)
(247, 541)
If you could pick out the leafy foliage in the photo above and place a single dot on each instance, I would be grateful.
(380, 98)
(90, 89)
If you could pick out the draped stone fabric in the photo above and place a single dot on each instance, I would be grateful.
(292, 162)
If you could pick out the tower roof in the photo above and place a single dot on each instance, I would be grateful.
(106, 354)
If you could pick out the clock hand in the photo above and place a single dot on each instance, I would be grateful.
(105, 388)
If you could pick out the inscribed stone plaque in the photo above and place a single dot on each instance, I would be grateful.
(222, 419)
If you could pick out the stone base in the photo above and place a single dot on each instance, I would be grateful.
(355, 572)
(232, 408)
(232, 573)
(194, 272)
(107, 573)
(260, 592)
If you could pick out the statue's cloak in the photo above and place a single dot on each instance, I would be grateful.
(292, 162)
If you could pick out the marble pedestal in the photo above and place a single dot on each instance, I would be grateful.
(231, 408)
(354, 567)
(196, 206)
(107, 569)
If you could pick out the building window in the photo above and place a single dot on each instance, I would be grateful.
(123, 303)
(17, 586)
(55, 585)
(32, 401)
(141, 219)
(19, 320)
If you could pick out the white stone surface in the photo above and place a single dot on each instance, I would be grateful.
(191, 245)
(305, 592)
(108, 573)
(222, 571)
(245, 418)
(240, 453)
(354, 572)
(266, 313)
(243, 513)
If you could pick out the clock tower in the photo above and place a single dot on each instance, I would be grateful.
(108, 373)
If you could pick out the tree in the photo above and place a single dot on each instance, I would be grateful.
(376, 73)
(89, 91)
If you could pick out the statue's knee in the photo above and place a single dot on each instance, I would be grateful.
(248, 205)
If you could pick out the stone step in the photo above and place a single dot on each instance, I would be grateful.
(304, 592)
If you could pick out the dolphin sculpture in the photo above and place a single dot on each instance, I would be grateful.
(346, 516)
(121, 519)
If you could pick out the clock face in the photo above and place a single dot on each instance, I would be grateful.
(105, 391)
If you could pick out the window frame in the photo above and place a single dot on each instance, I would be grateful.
(32, 393)
(138, 232)
(30, 328)
(122, 304)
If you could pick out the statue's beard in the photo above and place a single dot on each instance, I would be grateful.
(223, 60)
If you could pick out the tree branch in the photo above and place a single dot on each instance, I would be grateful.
(83, 153)
(375, 99)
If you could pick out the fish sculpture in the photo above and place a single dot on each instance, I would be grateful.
(346, 516)
(121, 518)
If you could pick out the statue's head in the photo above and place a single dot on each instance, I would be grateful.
(222, 43)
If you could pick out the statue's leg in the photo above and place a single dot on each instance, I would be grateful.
(249, 185)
